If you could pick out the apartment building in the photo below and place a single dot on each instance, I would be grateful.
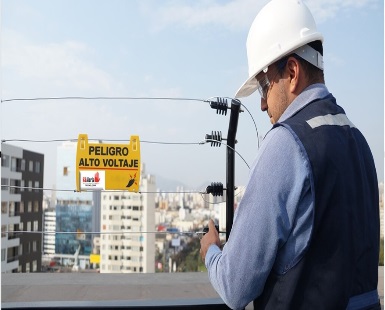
(127, 220)
(21, 209)
(49, 223)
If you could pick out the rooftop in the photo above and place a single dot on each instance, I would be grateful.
(130, 291)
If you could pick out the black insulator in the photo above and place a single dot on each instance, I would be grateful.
(215, 138)
(220, 105)
(216, 189)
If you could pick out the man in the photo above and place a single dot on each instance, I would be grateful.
(306, 233)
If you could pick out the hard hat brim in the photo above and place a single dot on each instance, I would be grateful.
(247, 88)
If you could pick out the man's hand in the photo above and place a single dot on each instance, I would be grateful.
(211, 237)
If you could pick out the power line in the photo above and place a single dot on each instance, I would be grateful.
(142, 141)
(130, 98)
(255, 125)
(101, 98)
(216, 141)
(104, 191)
(104, 232)
(114, 140)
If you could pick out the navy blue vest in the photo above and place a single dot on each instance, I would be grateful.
(342, 258)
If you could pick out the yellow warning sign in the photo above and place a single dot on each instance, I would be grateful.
(95, 259)
(101, 166)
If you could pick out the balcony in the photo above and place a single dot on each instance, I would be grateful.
(112, 291)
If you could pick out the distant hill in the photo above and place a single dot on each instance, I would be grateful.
(165, 184)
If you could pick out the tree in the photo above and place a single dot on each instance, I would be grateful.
(189, 260)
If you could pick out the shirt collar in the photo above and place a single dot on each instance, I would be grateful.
(309, 94)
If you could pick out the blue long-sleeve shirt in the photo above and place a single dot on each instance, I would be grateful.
(273, 223)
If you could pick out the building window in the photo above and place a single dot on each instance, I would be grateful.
(35, 206)
(3, 231)
(34, 246)
(29, 206)
(34, 266)
(36, 186)
(27, 267)
(11, 209)
(20, 249)
(14, 186)
(21, 206)
(22, 166)
(4, 160)
(4, 183)
(17, 208)
(13, 164)
(3, 254)
(4, 207)
(30, 186)
(35, 225)
(30, 166)
(22, 185)
(37, 167)
(28, 226)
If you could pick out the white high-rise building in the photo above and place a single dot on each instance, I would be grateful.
(127, 244)
(49, 229)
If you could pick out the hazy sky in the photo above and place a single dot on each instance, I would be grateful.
(189, 49)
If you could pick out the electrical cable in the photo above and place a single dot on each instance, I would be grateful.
(104, 191)
(101, 98)
(142, 141)
(103, 232)
(114, 140)
(129, 98)
(255, 125)
(211, 140)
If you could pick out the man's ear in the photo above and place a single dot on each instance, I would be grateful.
(294, 71)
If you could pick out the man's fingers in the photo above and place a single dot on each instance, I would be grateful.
(211, 225)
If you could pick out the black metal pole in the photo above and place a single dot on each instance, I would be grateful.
(230, 164)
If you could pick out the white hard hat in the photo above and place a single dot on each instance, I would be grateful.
(282, 27)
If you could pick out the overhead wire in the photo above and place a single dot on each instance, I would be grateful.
(101, 98)
(120, 232)
(129, 98)
(142, 141)
(104, 191)
(97, 139)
